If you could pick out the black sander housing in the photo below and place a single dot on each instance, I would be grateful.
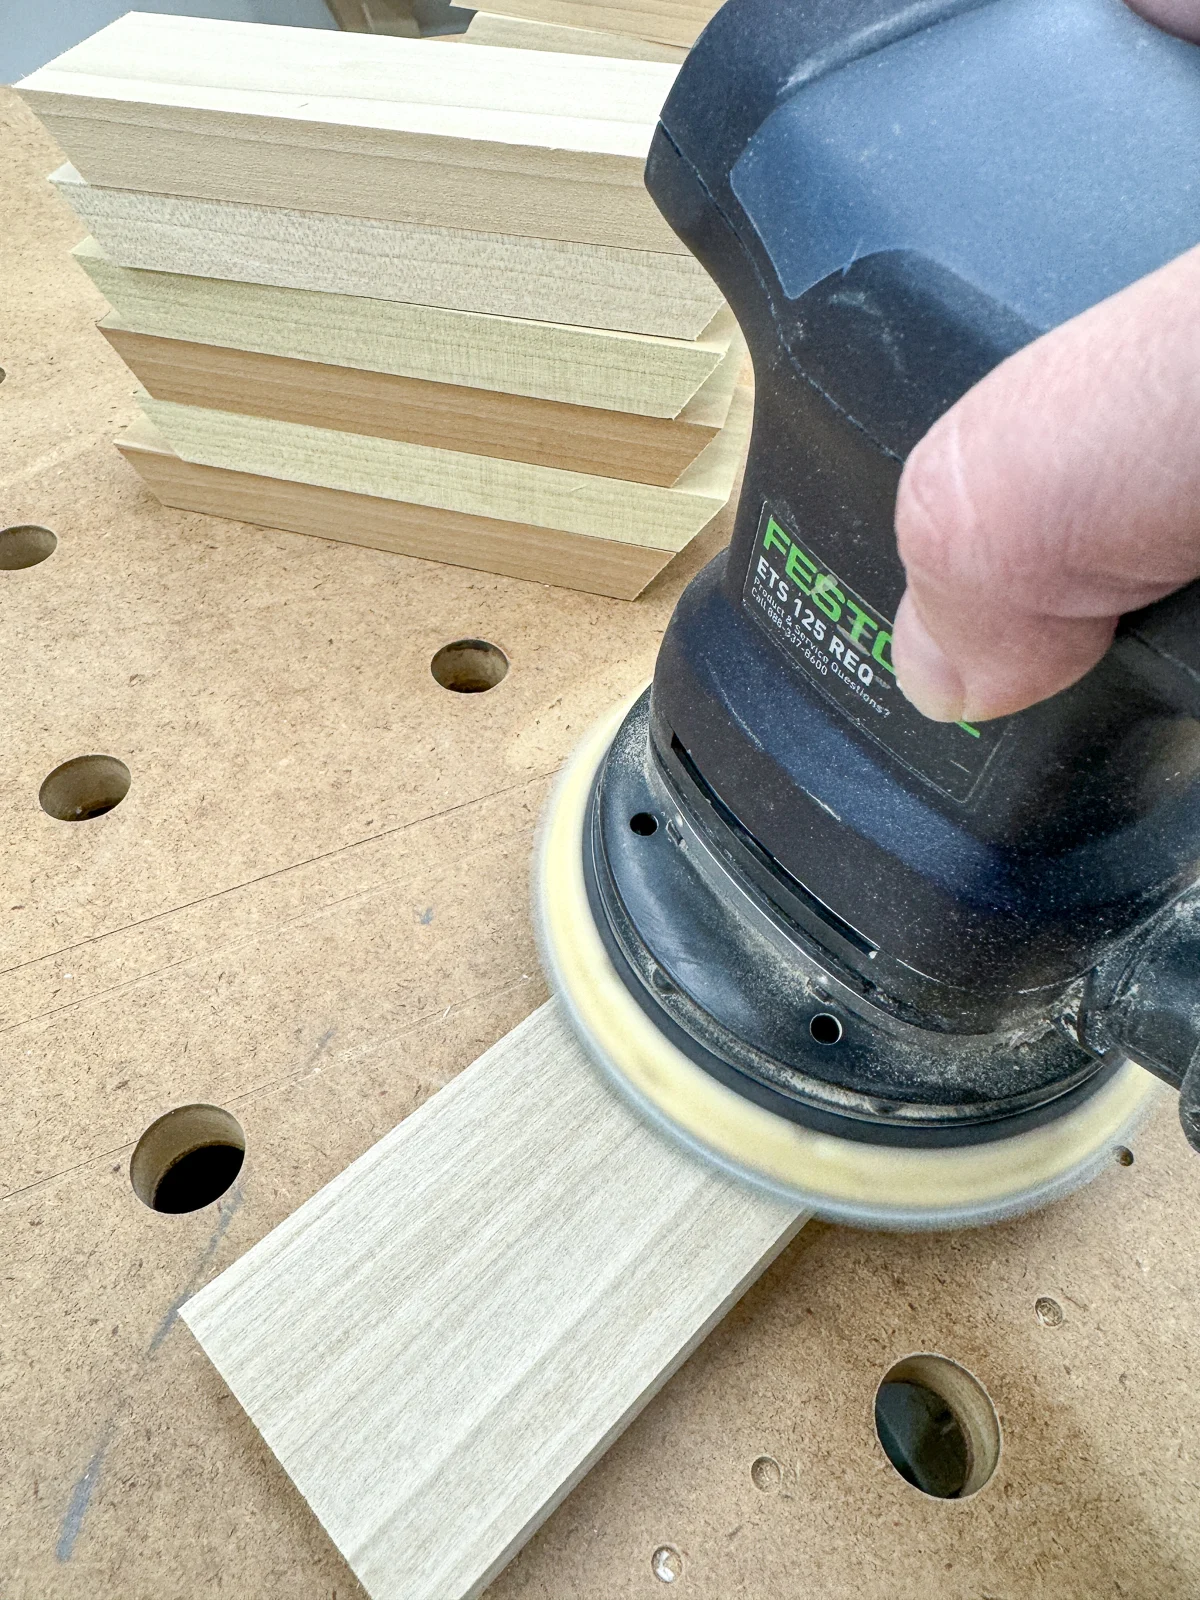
(871, 927)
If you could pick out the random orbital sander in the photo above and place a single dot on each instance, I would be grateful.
(913, 974)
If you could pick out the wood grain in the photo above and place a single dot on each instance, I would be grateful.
(440, 1343)
(677, 22)
(396, 128)
(508, 275)
(611, 444)
(518, 33)
(541, 555)
(545, 360)
(482, 486)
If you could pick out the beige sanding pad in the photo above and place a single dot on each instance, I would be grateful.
(839, 1179)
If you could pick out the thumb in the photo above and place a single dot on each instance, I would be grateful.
(1058, 493)
(1181, 17)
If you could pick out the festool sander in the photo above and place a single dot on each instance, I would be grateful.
(911, 973)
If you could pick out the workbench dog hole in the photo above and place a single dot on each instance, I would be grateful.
(666, 1564)
(187, 1159)
(825, 1028)
(1048, 1311)
(469, 666)
(938, 1426)
(25, 545)
(84, 787)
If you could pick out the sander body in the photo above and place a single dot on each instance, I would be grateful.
(912, 973)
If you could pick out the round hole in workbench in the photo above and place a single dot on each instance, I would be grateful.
(25, 545)
(666, 1564)
(1124, 1155)
(469, 666)
(1048, 1311)
(84, 787)
(825, 1028)
(187, 1158)
(938, 1426)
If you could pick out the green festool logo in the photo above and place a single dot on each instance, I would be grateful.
(864, 629)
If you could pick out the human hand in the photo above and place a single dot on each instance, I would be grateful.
(1060, 492)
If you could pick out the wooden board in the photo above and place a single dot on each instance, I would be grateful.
(376, 16)
(517, 33)
(541, 555)
(441, 1342)
(312, 909)
(379, 127)
(676, 22)
(544, 360)
(612, 444)
(637, 291)
(481, 486)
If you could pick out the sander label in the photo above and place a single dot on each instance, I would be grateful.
(844, 645)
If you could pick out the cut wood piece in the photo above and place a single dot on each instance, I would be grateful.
(410, 130)
(567, 560)
(482, 486)
(677, 22)
(609, 444)
(516, 33)
(546, 360)
(547, 280)
(376, 16)
(440, 1343)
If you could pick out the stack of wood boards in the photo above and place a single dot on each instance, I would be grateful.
(415, 19)
(401, 293)
(495, 28)
(423, 19)
(376, 16)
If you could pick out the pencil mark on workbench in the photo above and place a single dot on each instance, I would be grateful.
(85, 1485)
(285, 1077)
(195, 957)
(64, 1172)
(81, 1494)
(264, 877)
(370, 1047)
(227, 1208)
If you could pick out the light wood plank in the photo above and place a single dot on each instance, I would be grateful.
(381, 127)
(482, 486)
(542, 555)
(545, 360)
(610, 444)
(442, 1341)
(677, 22)
(508, 275)
(517, 33)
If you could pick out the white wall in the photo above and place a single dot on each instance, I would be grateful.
(33, 32)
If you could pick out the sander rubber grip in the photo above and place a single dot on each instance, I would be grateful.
(1161, 645)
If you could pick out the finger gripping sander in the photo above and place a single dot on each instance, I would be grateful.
(910, 973)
